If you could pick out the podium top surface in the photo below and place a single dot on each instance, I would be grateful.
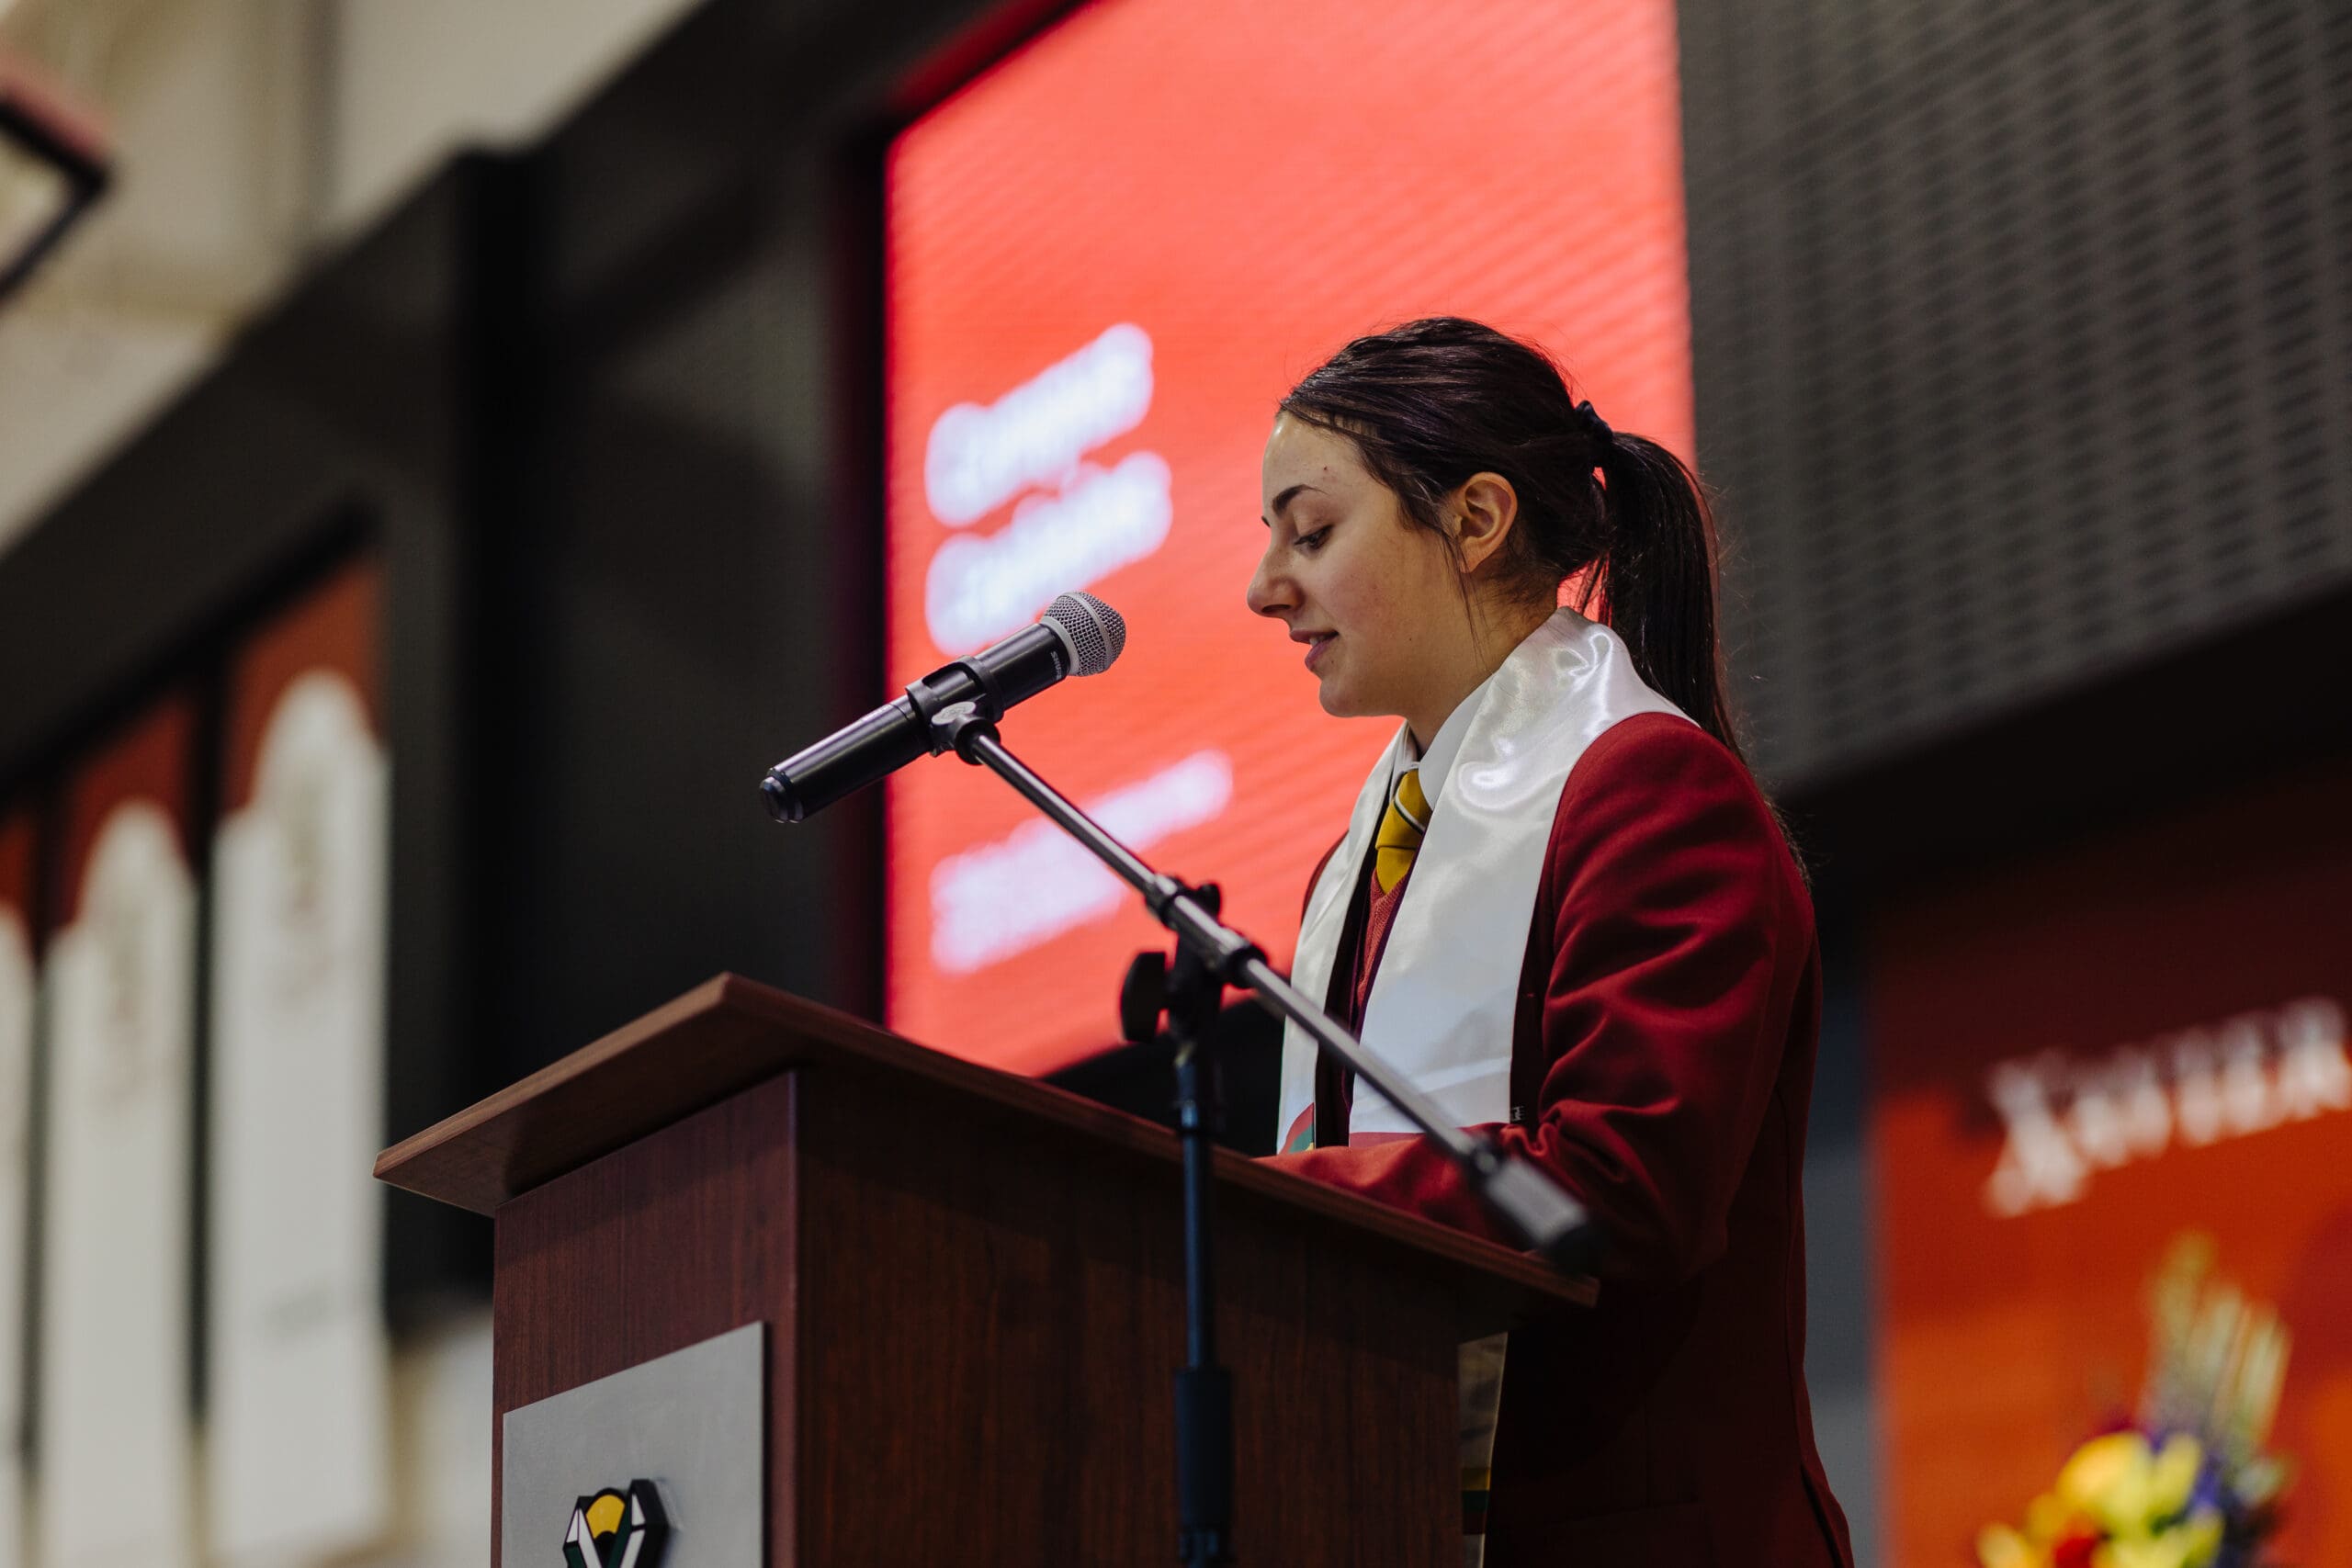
(729, 1033)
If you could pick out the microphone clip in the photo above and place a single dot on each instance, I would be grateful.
(946, 720)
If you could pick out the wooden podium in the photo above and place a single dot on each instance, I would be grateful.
(974, 1289)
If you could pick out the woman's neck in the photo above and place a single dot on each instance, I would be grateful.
(1500, 632)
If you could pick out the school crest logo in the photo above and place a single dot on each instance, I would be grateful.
(617, 1529)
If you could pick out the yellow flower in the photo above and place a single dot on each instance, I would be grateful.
(2125, 1486)
(2174, 1476)
(2202, 1533)
(1998, 1546)
(2193, 1543)
(2047, 1516)
(2102, 1473)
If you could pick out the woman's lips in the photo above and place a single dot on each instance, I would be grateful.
(1315, 649)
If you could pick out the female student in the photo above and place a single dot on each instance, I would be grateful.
(1564, 908)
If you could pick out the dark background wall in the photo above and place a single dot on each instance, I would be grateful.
(2021, 344)
(337, 425)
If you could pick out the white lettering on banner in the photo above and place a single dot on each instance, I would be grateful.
(1028, 888)
(984, 587)
(978, 459)
(2065, 1120)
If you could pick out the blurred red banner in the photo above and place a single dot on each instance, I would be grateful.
(2077, 1060)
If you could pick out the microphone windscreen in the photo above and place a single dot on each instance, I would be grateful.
(1096, 633)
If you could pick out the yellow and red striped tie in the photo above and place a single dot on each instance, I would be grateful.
(1401, 827)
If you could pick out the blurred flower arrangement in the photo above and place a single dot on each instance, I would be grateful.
(2186, 1480)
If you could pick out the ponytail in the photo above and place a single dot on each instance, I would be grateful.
(1656, 575)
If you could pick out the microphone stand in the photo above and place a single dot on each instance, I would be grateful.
(1210, 956)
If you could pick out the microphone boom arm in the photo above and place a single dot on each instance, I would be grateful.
(1547, 1219)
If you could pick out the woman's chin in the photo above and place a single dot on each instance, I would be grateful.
(1338, 701)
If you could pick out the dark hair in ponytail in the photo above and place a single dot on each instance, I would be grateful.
(1434, 401)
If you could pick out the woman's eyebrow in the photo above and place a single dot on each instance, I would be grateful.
(1284, 500)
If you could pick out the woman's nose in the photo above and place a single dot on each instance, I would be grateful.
(1267, 594)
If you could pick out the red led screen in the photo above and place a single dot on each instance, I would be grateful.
(1108, 257)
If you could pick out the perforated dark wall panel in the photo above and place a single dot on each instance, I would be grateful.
(2021, 341)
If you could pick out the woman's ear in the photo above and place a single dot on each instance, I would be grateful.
(1484, 508)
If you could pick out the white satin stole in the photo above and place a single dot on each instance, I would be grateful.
(1445, 998)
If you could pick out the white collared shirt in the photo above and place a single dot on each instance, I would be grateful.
(1445, 746)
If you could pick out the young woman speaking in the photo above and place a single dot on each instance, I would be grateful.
(1564, 908)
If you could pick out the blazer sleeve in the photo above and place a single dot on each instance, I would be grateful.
(1680, 939)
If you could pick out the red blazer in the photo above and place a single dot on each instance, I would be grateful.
(1668, 1011)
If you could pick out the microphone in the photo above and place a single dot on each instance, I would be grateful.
(1079, 635)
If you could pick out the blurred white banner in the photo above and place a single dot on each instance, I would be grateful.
(115, 1489)
(298, 1434)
